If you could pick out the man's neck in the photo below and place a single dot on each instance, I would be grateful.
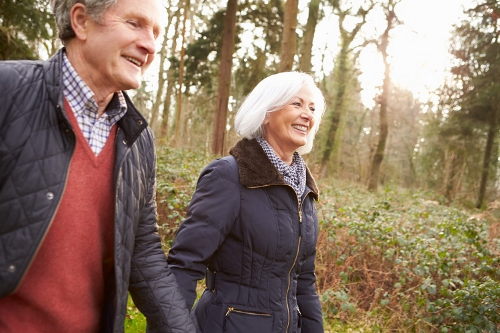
(101, 96)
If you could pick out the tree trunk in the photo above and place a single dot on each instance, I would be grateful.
(181, 76)
(492, 131)
(342, 75)
(161, 77)
(450, 179)
(341, 78)
(289, 41)
(224, 86)
(307, 41)
(170, 81)
(384, 126)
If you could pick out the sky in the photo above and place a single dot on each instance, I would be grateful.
(418, 49)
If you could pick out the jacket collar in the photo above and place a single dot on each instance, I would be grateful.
(132, 124)
(256, 169)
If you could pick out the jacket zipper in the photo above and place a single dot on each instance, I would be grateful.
(299, 206)
(48, 227)
(231, 309)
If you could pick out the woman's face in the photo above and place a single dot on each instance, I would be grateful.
(286, 129)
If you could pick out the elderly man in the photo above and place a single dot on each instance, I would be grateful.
(77, 180)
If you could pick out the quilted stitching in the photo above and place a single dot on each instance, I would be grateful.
(32, 134)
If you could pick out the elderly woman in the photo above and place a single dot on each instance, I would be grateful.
(252, 227)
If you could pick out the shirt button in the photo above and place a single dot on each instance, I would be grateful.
(11, 268)
(50, 195)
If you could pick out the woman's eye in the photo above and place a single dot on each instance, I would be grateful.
(296, 103)
(312, 109)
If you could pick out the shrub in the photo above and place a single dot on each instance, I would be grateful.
(414, 263)
(177, 173)
(395, 260)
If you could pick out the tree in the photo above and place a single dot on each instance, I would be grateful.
(262, 58)
(473, 103)
(161, 72)
(342, 72)
(171, 75)
(224, 86)
(25, 27)
(289, 41)
(307, 40)
(181, 75)
(481, 37)
(391, 18)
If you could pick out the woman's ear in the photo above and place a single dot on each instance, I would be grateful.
(266, 119)
(79, 20)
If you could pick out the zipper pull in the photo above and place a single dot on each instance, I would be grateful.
(300, 216)
(229, 311)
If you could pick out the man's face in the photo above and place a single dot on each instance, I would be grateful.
(118, 51)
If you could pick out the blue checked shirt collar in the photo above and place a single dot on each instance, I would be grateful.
(81, 100)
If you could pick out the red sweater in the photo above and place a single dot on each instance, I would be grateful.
(63, 289)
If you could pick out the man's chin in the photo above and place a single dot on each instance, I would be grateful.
(131, 85)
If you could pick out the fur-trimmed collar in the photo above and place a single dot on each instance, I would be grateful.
(256, 169)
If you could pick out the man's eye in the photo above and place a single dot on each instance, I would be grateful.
(133, 23)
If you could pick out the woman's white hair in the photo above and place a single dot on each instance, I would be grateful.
(272, 94)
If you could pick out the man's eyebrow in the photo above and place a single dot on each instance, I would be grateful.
(144, 18)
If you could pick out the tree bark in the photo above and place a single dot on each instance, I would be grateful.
(289, 41)
(170, 81)
(384, 126)
(341, 77)
(492, 132)
(161, 78)
(307, 41)
(224, 86)
(181, 76)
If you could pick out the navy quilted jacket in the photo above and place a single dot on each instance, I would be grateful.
(258, 240)
(36, 146)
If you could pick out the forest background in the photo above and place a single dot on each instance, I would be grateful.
(409, 213)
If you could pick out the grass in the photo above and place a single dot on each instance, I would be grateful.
(135, 322)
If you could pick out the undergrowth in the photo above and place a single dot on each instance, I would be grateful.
(406, 263)
(394, 261)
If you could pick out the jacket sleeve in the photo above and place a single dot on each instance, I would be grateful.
(307, 300)
(152, 285)
(211, 214)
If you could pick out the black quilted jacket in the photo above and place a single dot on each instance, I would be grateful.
(36, 146)
(259, 237)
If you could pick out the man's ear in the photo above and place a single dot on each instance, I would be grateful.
(79, 20)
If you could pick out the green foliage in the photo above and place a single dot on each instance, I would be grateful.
(407, 261)
(262, 57)
(24, 25)
(394, 260)
(135, 322)
(178, 171)
(466, 125)
(203, 56)
(397, 260)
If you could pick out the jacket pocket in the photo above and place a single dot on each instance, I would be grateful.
(244, 321)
